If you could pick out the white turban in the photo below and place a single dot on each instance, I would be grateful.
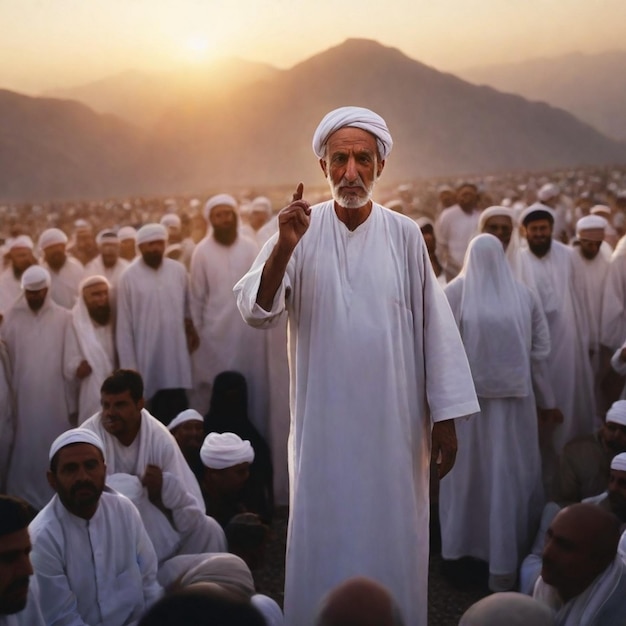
(221, 199)
(171, 219)
(151, 232)
(107, 236)
(495, 211)
(126, 232)
(75, 435)
(593, 226)
(96, 279)
(51, 237)
(221, 450)
(619, 462)
(547, 192)
(21, 241)
(617, 413)
(261, 203)
(424, 221)
(186, 416)
(600, 209)
(537, 211)
(354, 117)
(35, 278)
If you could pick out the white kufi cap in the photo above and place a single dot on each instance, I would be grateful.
(221, 199)
(151, 232)
(619, 462)
(75, 435)
(222, 450)
(35, 278)
(186, 416)
(51, 237)
(617, 413)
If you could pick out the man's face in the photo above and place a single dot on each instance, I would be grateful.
(152, 253)
(589, 248)
(174, 234)
(467, 197)
(500, 226)
(21, 259)
(352, 167)
(96, 299)
(231, 480)
(223, 220)
(121, 415)
(447, 198)
(35, 299)
(127, 249)
(257, 219)
(84, 240)
(189, 436)
(110, 252)
(614, 437)
(539, 236)
(617, 493)
(55, 255)
(79, 478)
(15, 570)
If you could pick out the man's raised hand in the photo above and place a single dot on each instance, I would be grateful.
(293, 220)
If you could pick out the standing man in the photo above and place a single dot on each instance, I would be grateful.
(377, 372)
(108, 263)
(155, 334)
(21, 258)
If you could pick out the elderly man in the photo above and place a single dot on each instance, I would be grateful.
(226, 342)
(582, 578)
(19, 595)
(369, 376)
(34, 330)
(90, 354)
(65, 271)
(93, 559)
(155, 334)
(20, 252)
(108, 263)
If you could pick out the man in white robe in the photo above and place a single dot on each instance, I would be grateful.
(34, 330)
(108, 263)
(65, 271)
(7, 416)
(154, 332)
(90, 354)
(376, 363)
(128, 243)
(92, 556)
(20, 252)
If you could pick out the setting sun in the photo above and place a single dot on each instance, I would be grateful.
(198, 47)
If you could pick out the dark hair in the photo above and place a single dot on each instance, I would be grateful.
(124, 380)
(15, 514)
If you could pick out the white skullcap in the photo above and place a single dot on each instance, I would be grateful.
(548, 191)
(21, 241)
(617, 413)
(600, 209)
(75, 435)
(354, 117)
(107, 236)
(261, 203)
(96, 279)
(82, 224)
(424, 221)
(51, 237)
(619, 462)
(186, 416)
(170, 219)
(221, 450)
(35, 278)
(443, 188)
(151, 232)
(221, 199)
(536, 211)
(593, 226)
(126, 232)
(496, 211)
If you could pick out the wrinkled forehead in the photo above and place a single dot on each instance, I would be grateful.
(353, 139)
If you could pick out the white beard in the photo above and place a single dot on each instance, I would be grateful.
(349, 201)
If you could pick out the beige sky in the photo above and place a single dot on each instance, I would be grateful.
(58, 43)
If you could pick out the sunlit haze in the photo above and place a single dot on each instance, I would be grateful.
(58, 43)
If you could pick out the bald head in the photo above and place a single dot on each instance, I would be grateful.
(359, 602)
(510, 608)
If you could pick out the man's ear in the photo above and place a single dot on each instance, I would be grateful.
(141, 404)
(323, 166)
(380, 168)
(52, 480)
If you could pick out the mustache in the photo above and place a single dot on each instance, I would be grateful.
(83, 485)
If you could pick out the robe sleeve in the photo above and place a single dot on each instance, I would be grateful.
(73, 355)
(124, 325)
(540, 350)
(612, 330)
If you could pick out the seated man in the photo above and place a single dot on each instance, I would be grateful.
(19, 601)
(583, 580)
(188, 430)
(584, 462)
(93, 559)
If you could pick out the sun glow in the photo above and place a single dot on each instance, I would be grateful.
(198, 47)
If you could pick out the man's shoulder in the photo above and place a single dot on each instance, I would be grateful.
(583, 445)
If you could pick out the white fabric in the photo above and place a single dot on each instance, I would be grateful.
(537, 208)
(454, 230)
(107, 236)
(547, 192)
(154, 446)
(188, 415)
(226, 342)
(21, 241)
(113, 274)
(51, 237)
(35, 343)
(64, 283)
(95, 344)
(151, 232)
(127, 232)
(354, 117)
(75, 435)
(7, 416)
(492, 498)
(619, 462)
(10, 289)
(170, 219)
(617, 413)
(268, 608)
(151, 308)
(35, 278)
(222, 450)
(613, 325)
(100, 572)
(221, 199)
(366, 315)
(591, 222)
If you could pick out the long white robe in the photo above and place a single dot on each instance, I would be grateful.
(227, 343)
(613, 330)
(7, 416)
(36, 343)
(97, 268)
(100, 572)
(10, 289)
(375, 358)
(64, 283)
(154, 445)
(454, 230)
(151, 309)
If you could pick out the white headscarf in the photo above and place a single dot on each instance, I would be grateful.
(619, 462)
(222, 450)
(75, 435)
(221, 199)
(492, 322)
(151, 232)
(51, 237)
(187, 415)
(354, 117)
(35, 278)
(617, 413)
(512, 251)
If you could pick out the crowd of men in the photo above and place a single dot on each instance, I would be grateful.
(127, 368)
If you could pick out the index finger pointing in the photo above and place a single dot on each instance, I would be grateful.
(298, 195)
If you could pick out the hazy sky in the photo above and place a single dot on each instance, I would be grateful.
(58, 43)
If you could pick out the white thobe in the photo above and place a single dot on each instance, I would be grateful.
(64, 283)
(151, 309)
(36, 343)
(10, 289)
(454, 230)
(227, 343)
(154, 445)
(97, 268)
(568, 363)
(375, 357)
(95, 344)
(7, 416)
(97, 572)
(613, 330)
